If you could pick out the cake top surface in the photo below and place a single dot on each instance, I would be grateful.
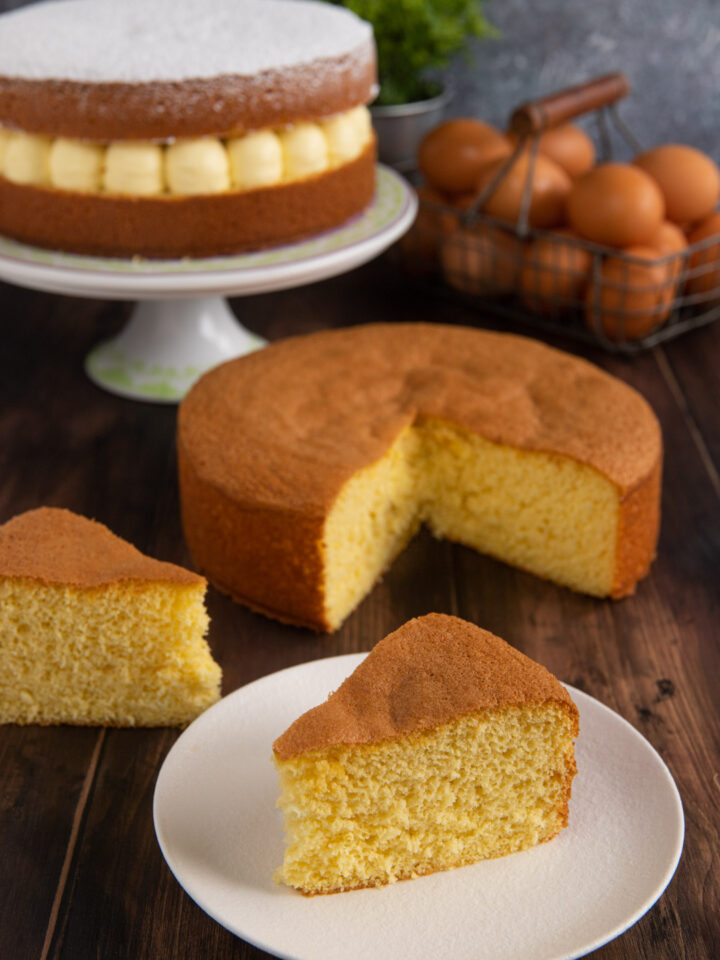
(432, 670)
(139, 41)
(313, 410)
(54, 546)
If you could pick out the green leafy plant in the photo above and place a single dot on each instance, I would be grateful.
(417, 36)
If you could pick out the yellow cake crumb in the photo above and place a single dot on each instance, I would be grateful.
(94, 632)
(445, 747)
(548, 514)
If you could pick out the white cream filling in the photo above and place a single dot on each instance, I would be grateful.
(27, 159)
(75, 165)
(305, 150)
(342, 135)
(134, 167)
(193, 166)
(4, 139)
(256, 160)
(206, 165)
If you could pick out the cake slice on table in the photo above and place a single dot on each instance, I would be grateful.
(94, 632)
(445, 746)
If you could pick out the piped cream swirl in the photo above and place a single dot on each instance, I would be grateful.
(207, 165)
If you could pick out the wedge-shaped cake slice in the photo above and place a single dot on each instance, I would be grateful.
(444, 747)
(94, 632)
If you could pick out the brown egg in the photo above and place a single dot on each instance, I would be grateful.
(631, 299)
(464, 201)
(455, 205)
(569, 146)
(704, 265)
(460, 203)
(482, 260)
(688, 179)
(670, 241)
(616, 204)
(451, 156)
(555, 273)
(550, 189)
(420, 246)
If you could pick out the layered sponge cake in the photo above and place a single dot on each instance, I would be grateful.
(445, 746)
(305, 468)
(94, 632)
(169, 130)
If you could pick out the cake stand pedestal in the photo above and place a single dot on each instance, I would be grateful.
(183, 325)
(166, 345)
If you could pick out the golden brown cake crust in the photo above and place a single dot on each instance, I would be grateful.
(54, 546)
(270, 552)
(322, 406)
(432, 670)
(216, 106)
(638, 526)
(197, 226)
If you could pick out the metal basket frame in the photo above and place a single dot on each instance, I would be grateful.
(606, 315)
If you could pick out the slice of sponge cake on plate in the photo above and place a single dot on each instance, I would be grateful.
(445, 746)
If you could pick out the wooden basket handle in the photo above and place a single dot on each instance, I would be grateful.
(539, 115)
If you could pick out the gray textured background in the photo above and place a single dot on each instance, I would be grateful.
(670, 49)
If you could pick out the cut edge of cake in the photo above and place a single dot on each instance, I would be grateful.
(93, 632)
(356, 772)
(473, 491)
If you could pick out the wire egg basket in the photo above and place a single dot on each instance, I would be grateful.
(552, 279)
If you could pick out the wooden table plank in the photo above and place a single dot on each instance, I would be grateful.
(694, 371)
(44, 771)
(122, 900)
(45, 777)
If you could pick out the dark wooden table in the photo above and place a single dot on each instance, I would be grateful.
(81, 875)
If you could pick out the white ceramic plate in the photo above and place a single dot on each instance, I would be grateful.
(220, 833)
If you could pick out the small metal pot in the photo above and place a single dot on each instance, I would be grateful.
(401, 127)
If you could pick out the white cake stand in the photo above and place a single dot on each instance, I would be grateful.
(182, 325)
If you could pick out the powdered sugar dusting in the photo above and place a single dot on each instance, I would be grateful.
(135, 41)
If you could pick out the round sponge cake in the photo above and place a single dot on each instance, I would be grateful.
(123, 126)
(305, 468)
